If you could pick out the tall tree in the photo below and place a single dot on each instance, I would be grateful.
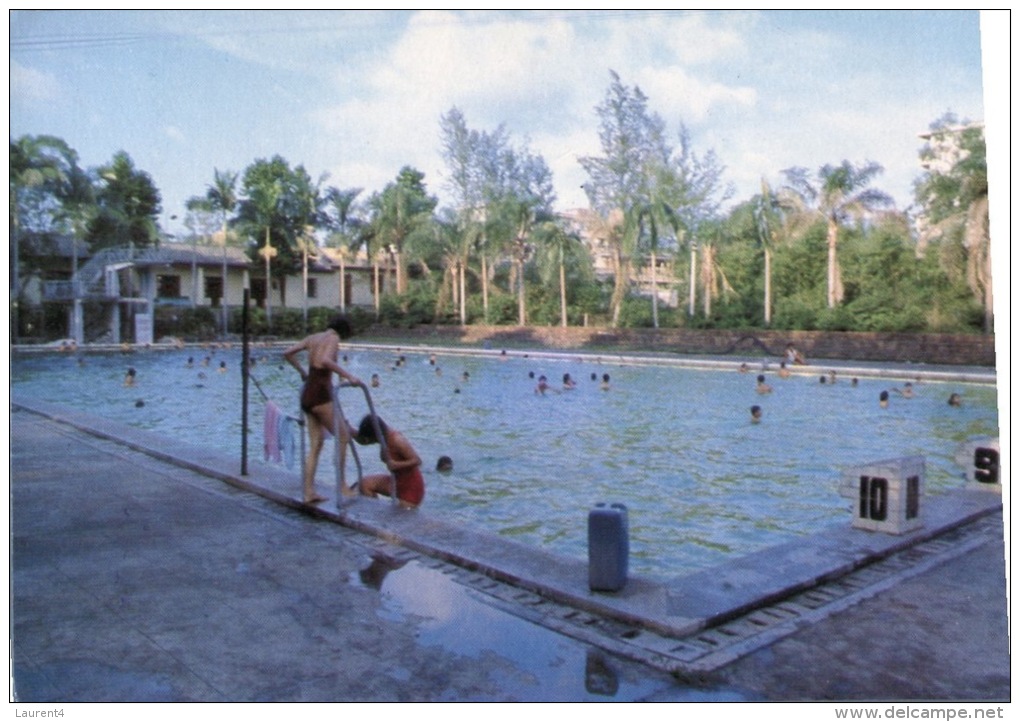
(222, 198)
(129, 205)
(650, 183)
(843, 193)
(496, 187)
(558, 248)
(632, 140)
(201, 221)
(77, 195)
(402, 209)
(259, 216)
(767, 220)
(307, 216)
(37, 163)
(344, 220)
(954, 195)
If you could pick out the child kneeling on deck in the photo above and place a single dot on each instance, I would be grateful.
(400, 458)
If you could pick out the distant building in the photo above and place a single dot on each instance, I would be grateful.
(58, 270)
(942, 153)
(943, 147)
(663, 282)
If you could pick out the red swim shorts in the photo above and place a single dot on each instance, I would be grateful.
(411, 486)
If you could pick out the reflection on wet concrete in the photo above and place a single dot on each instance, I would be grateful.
(599, 676)
(537, 663)
(374, 574)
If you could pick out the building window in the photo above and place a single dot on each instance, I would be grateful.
(214, 289)
(312, 291)
(168, 286)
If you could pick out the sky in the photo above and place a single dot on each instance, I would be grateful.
(358, 95)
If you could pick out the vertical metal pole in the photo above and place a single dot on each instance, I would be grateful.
(244, 384)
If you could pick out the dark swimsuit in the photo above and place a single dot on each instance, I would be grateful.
(317, 390)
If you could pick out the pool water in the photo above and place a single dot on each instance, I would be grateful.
(675, 445)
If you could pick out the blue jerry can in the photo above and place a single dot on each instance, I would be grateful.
(608, 548)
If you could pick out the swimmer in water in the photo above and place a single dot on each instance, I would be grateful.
(568, 383)
(883, 399)
(907, 391)
(762, 387)
(543, 385)
(955, 400)
(130, 377)
(444, 464)
(755, 414)
(605, 382)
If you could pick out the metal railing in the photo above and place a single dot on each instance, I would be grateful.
(338, 419)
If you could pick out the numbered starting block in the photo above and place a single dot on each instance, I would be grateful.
(980, 461)
(886, 494)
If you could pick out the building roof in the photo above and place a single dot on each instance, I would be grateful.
(185, 254)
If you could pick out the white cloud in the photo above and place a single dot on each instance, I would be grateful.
(33, 86)
(174, 133)
(537, 74)
(678, 95)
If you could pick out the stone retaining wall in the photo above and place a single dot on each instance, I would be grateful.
(954, 349)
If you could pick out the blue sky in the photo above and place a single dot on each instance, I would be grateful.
(359, 94)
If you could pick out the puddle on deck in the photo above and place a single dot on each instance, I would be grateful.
(558, 668)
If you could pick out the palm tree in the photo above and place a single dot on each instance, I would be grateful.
(554, 245)
(200, 222)
(400, 210)
(655, 216)
(308, 216)
(956, 204)
(35, 161)
(843, 193)
(264, 199)
(77, 195)
(766, 211)
(516, 219)
(222, 197)
(341, 209)
(712, 277)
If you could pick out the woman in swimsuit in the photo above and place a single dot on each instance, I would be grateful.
(400, 458)
(317, 395)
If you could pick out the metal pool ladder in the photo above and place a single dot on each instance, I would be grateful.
(338, 419)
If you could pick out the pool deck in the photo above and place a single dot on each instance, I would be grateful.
(675, 608)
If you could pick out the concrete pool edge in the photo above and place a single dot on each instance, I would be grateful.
(675, 607)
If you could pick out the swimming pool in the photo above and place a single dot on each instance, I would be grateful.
(675, 445)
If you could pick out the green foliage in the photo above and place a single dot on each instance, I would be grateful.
(502, 310)
(408, 310)
(636, 312)
(128, 204)
(190, 324)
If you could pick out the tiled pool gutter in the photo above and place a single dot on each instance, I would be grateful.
(675, 607)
